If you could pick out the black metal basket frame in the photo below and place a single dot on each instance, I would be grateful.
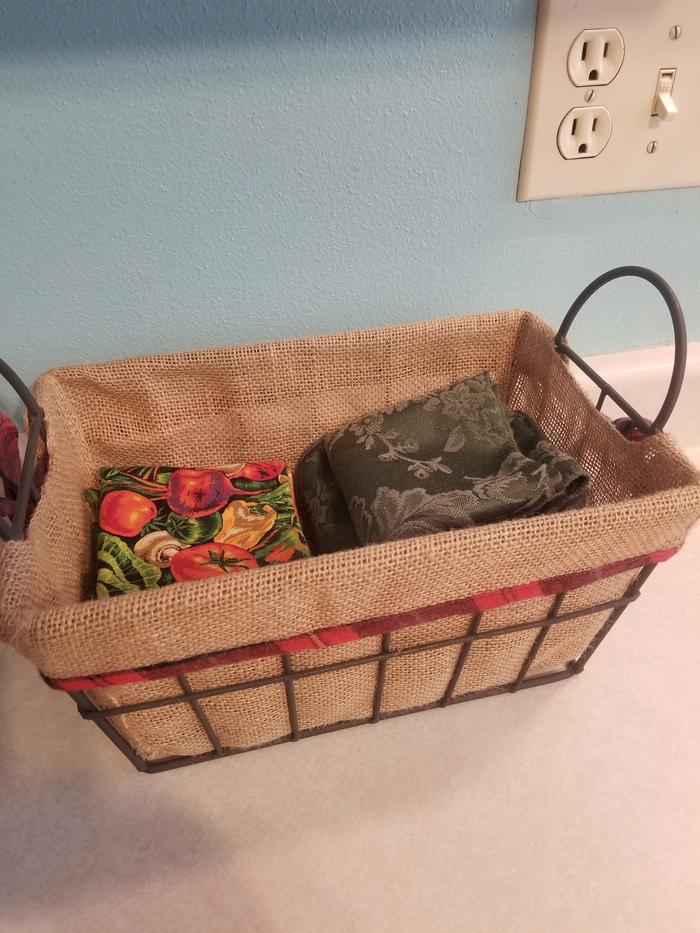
(388, 653)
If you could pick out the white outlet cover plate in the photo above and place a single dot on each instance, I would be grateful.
(624, 164)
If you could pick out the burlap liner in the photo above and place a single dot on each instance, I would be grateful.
(272, 400)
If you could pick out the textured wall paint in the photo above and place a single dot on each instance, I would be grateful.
(197, 173)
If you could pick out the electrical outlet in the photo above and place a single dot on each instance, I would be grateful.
(647, 82)
(584, 132)
(595, 57)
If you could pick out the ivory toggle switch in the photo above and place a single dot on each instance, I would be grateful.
(664, 104)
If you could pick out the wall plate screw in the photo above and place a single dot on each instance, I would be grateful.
(675, 32)
(589, 95)
(652, 147)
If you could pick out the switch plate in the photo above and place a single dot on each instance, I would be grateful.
(629, 161)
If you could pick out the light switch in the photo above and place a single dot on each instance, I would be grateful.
(664, 104)
(636, 63)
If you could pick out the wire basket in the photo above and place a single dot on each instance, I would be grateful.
(213, 668)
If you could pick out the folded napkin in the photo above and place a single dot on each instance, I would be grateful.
(324, 512)
(446, 460)
(10, 465)
(11, 469)
(158, 525)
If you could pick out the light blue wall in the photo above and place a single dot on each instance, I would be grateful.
(181, 173)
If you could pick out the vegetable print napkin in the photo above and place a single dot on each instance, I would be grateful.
(158, 525)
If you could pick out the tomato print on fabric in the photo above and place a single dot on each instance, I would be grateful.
(159, 525)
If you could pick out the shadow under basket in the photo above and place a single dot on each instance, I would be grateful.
(196, 671)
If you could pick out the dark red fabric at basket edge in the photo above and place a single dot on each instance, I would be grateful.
(328, 637)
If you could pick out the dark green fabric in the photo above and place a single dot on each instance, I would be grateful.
(449, 459)
(324, 513)
(568, 482)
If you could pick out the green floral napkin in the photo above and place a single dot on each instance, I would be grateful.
(446, 460)
(324, 512)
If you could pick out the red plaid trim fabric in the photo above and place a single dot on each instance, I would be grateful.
(380, 625)
(629, 429)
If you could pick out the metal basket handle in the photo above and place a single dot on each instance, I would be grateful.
(680, 339)
(13, 531)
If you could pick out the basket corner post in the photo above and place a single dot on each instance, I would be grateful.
(85, 707)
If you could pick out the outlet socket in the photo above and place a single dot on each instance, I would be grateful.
(595, 57)
(584, 132)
